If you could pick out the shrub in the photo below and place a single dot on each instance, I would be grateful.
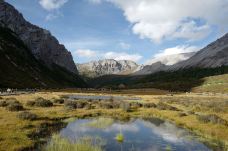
(41, 102)
(135, 105)
(80, 104)
(212, 118)
(106, 105)
(27, 116)
(30, 103)
(149, 105)
(125, 106)
(59, 101)
(191, 112)
(182, 114)
(88, 106)
(163, 106)
(15, 106)
(3, 103)
(70, 104)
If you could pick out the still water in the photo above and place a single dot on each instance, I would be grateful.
(102, 97)
(139, 135)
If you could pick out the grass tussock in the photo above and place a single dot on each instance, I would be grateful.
(83, 144)
(119, 137)
(27, 116)
(40, 102)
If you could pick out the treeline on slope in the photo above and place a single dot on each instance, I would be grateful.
(181, 80)
(20, 69)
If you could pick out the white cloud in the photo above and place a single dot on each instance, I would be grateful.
(85, 53)
(124, 45)
(94, 54)
(169, 19)
(169, 56)
(177, 50)
(122, 56)
(52, 4)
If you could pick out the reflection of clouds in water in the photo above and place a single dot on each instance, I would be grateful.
(123, 127)
(168, 132)
(83, 128)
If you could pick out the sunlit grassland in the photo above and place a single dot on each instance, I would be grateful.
(83, 144)
(14, 132)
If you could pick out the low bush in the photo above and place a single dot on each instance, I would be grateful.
(40, 102)
(190, 112)
(31, 103)
(182, 114)
(3, 103)
(106, 105)
(80, 104)
(212, 118)
(149, 105)
(70, 104)
(14, 106)
(59, 101)
(135, 105)
(163, 106)
(27, 116)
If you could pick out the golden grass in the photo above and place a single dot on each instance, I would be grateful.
(83, 144)
(13, 131)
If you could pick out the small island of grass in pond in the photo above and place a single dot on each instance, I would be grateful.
(119, 137)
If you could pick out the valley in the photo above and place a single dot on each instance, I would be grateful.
(77, 96)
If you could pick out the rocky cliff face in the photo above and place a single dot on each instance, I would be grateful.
(20, 69)
(43, 45)
(107, 67)
(213, 55)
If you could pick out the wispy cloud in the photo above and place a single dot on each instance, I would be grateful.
(52, 4)
(95, 54)
(169, 56)
(54, 15)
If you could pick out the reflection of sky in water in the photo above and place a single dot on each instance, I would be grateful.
(102, 97)
(139, 135)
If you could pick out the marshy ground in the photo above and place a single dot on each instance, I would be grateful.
(27, 120)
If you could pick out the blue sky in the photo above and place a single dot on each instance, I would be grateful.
(138, 30)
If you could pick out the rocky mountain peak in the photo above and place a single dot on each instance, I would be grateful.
(43, 45)
(106, 67)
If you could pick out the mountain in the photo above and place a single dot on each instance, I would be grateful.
(171, 59)
(107, 67)
(148, 69)
(43, 45)
(30, 57)
(213, 55)
(194, 73)
(20, 69)
(163, 63)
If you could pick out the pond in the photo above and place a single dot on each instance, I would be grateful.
(102, 97)
(138, 135)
